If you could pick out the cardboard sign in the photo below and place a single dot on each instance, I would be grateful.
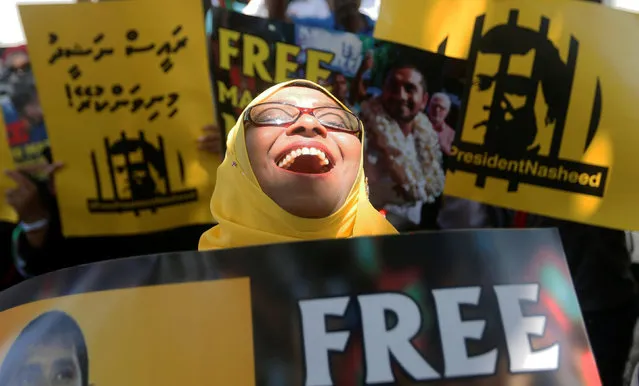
(125, 91)
(405, 173)
(475, 308)
(432, 25)
(6, 162)
(547, 120)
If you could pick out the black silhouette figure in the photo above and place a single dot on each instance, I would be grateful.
(511, 130)
(141, 181)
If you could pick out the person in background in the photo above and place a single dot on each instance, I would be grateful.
(340, 88)
(16, 70)
(404, 162)
(17, 65)
(438, 110)
(24, 98)
(340, 15)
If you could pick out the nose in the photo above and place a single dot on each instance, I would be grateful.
(307, 126)
(403, 95)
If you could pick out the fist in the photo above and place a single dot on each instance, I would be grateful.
(24, 198)
(210, 141)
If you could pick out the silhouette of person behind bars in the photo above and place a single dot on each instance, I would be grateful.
(133, 160)
(512, 123)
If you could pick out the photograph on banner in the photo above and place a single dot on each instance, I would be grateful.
(360, 311)
(545, 125)
(7, 213)
(126, 99)
(407, 99)
(23, 119)
(68, 341)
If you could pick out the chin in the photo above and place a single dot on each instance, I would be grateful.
(309, 199)
(311, 209)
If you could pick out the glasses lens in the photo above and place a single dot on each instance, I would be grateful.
(273, 114)
(336, 118)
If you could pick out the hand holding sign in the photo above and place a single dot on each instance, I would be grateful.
(25, 198)
(210, 141)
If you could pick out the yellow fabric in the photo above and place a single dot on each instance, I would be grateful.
(247, 216)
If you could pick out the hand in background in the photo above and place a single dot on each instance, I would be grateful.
(210, 141)
(367, 63)
(24, 198)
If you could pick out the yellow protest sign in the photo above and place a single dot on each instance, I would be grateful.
(146, 328)
(125, 91)
(443, 26)
(6, 162)
(548, 122)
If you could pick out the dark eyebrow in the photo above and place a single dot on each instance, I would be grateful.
(283, 102)
(63, 362)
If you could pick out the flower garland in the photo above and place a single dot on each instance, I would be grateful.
(415, 160)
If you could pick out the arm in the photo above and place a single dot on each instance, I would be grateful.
(37, 242)
(358, 88)
(39, 251)
(277, 9)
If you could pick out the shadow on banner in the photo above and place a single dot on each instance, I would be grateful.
(457, 308)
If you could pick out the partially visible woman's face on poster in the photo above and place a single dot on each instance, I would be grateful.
(54, 363)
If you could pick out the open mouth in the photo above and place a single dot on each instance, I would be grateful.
(306, 160)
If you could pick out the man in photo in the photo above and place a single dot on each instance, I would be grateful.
(403, 160)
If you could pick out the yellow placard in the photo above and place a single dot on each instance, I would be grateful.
(180, 334)
(443, 26)
(6, 162)
(549, 118)
(125, 92)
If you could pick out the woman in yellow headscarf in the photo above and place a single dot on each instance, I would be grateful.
(293, 171)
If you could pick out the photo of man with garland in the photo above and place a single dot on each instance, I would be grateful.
(406, 144)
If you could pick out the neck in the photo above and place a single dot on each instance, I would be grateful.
(406, 127)
(438, 126)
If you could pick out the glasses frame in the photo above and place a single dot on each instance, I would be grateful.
(301, 111)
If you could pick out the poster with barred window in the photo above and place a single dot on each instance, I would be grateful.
(408, 100)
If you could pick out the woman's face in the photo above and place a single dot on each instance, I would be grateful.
(312, 184)
(53, 364)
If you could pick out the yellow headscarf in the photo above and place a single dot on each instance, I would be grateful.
(247, 216)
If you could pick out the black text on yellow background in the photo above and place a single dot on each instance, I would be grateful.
(549, 111)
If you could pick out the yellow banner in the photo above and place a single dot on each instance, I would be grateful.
(549, 120)
(68, 341)
(6, 163)
(125, 91)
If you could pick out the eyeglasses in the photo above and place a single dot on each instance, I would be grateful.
(282, 114)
